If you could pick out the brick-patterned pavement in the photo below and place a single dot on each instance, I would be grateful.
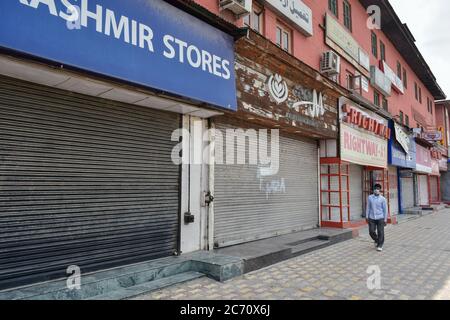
(414, 265)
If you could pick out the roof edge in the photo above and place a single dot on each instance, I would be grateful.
(411, 40)
(200, 12)
(408, 37)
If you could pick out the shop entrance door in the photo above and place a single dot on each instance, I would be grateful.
(373, 176)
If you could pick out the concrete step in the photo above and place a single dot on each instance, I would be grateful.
(309, 246)
(265, 252)
(402, 218)
(133, 291)
(105, 281)
(439, 207)
(306, 240)
(412, 211)
(102, 282)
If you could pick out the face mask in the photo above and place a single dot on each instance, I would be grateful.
(377, 192)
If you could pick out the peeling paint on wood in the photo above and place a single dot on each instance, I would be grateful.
(257, 59)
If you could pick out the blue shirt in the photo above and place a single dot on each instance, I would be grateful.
(377, 208)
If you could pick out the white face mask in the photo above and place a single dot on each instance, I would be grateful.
(377, 192)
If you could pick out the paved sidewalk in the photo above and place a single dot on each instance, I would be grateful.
(414, 265)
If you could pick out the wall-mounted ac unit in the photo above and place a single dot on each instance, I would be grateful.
(238, 7)
(330, 63)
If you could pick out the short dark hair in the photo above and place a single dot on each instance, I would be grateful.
(377, 187)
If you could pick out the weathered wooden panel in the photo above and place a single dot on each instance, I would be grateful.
(293, 82)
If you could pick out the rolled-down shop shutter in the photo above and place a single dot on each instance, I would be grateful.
(83, 181)
(393, 191)
(356, 192)
(407, 191)
(434, 189)
(249, 205)
(423, 190)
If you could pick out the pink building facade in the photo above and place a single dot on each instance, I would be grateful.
(386, 80)
(415, 112)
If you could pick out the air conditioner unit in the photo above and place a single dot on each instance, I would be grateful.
(331, 63)
(238, 7)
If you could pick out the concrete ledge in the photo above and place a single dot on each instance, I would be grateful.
(105, 282)
(133, 291)
(216, 266)
(221, 265)
(263, 253)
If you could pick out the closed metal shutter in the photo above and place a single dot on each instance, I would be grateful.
(249, 205)
(83, 181)
(407, 193)
(356, 192)
(393, 191)
(423, 190)
(434, 186)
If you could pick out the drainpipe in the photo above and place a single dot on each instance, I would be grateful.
(319, 184)
(416, 189)
(399, 191)
(212, 160)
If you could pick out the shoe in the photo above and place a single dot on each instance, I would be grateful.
(379, 249)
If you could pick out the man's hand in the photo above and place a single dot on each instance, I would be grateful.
(385, 223)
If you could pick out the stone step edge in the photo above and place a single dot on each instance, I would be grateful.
(309, 246)
(137, 290)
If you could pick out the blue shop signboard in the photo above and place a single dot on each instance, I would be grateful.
(144, 42)
(402, 148)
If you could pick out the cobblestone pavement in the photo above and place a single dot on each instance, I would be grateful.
(414, 265)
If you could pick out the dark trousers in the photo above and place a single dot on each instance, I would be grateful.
(376, 230)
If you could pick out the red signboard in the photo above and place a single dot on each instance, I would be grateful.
(365, 122)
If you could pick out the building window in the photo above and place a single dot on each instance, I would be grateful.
(385, 104)
(420, 94)
(416, 91)
(376, 98)
(333, 7)
(405, 79)
(284, 38)
(374, 45)
(350, 81)
(348, 15)
(401, 117)
(407, 121)
(399, 70)
(255, 19)
(382, 51)
(279, 32)
(430, 105)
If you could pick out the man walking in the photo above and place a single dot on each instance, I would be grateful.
(377, 215)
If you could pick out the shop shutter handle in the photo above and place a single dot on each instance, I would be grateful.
(209, 198)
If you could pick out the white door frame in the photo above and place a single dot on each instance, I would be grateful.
(194, 182)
